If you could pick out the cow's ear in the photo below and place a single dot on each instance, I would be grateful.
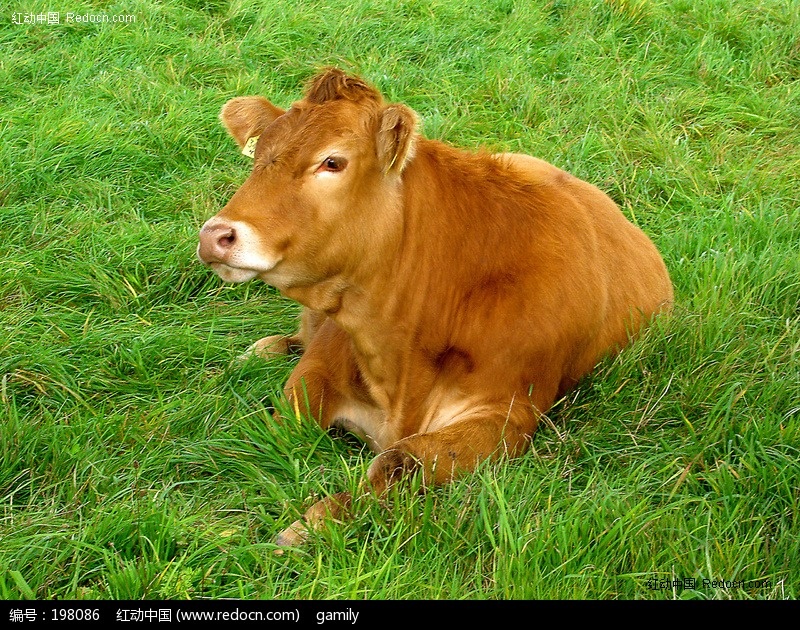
(396, 137)
(246, 117)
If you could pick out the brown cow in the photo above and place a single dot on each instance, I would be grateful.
(450, 297)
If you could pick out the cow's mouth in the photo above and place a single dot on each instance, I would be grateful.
(233, 274)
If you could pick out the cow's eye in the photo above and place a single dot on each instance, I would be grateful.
(332, 164)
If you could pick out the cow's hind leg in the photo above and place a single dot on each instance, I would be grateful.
(332, 508)
(441, 455)
(438, 456)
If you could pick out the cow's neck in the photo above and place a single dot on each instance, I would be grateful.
(365, 312)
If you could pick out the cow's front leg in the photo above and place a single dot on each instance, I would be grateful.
(324, 386)
(277, 345)
(272, 346)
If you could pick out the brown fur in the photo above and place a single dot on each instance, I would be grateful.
(450, 297)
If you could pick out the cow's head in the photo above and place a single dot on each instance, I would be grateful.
(325, 183)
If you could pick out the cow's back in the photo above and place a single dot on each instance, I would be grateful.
(635, 278)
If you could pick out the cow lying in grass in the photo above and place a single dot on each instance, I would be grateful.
(450, 297)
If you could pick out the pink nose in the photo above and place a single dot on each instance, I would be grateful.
(216, 242)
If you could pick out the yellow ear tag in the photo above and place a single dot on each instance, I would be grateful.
(250, 147)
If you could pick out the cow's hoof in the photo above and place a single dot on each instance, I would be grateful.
(293, 536)
(266, 348)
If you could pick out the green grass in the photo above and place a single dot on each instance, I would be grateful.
(137, 461)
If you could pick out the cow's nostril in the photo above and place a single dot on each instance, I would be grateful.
(227, 240)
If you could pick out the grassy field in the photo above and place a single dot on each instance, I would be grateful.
(138, 461)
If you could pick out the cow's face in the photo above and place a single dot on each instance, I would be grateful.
(326, 175)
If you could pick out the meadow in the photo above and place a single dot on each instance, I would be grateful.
(138, 460)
